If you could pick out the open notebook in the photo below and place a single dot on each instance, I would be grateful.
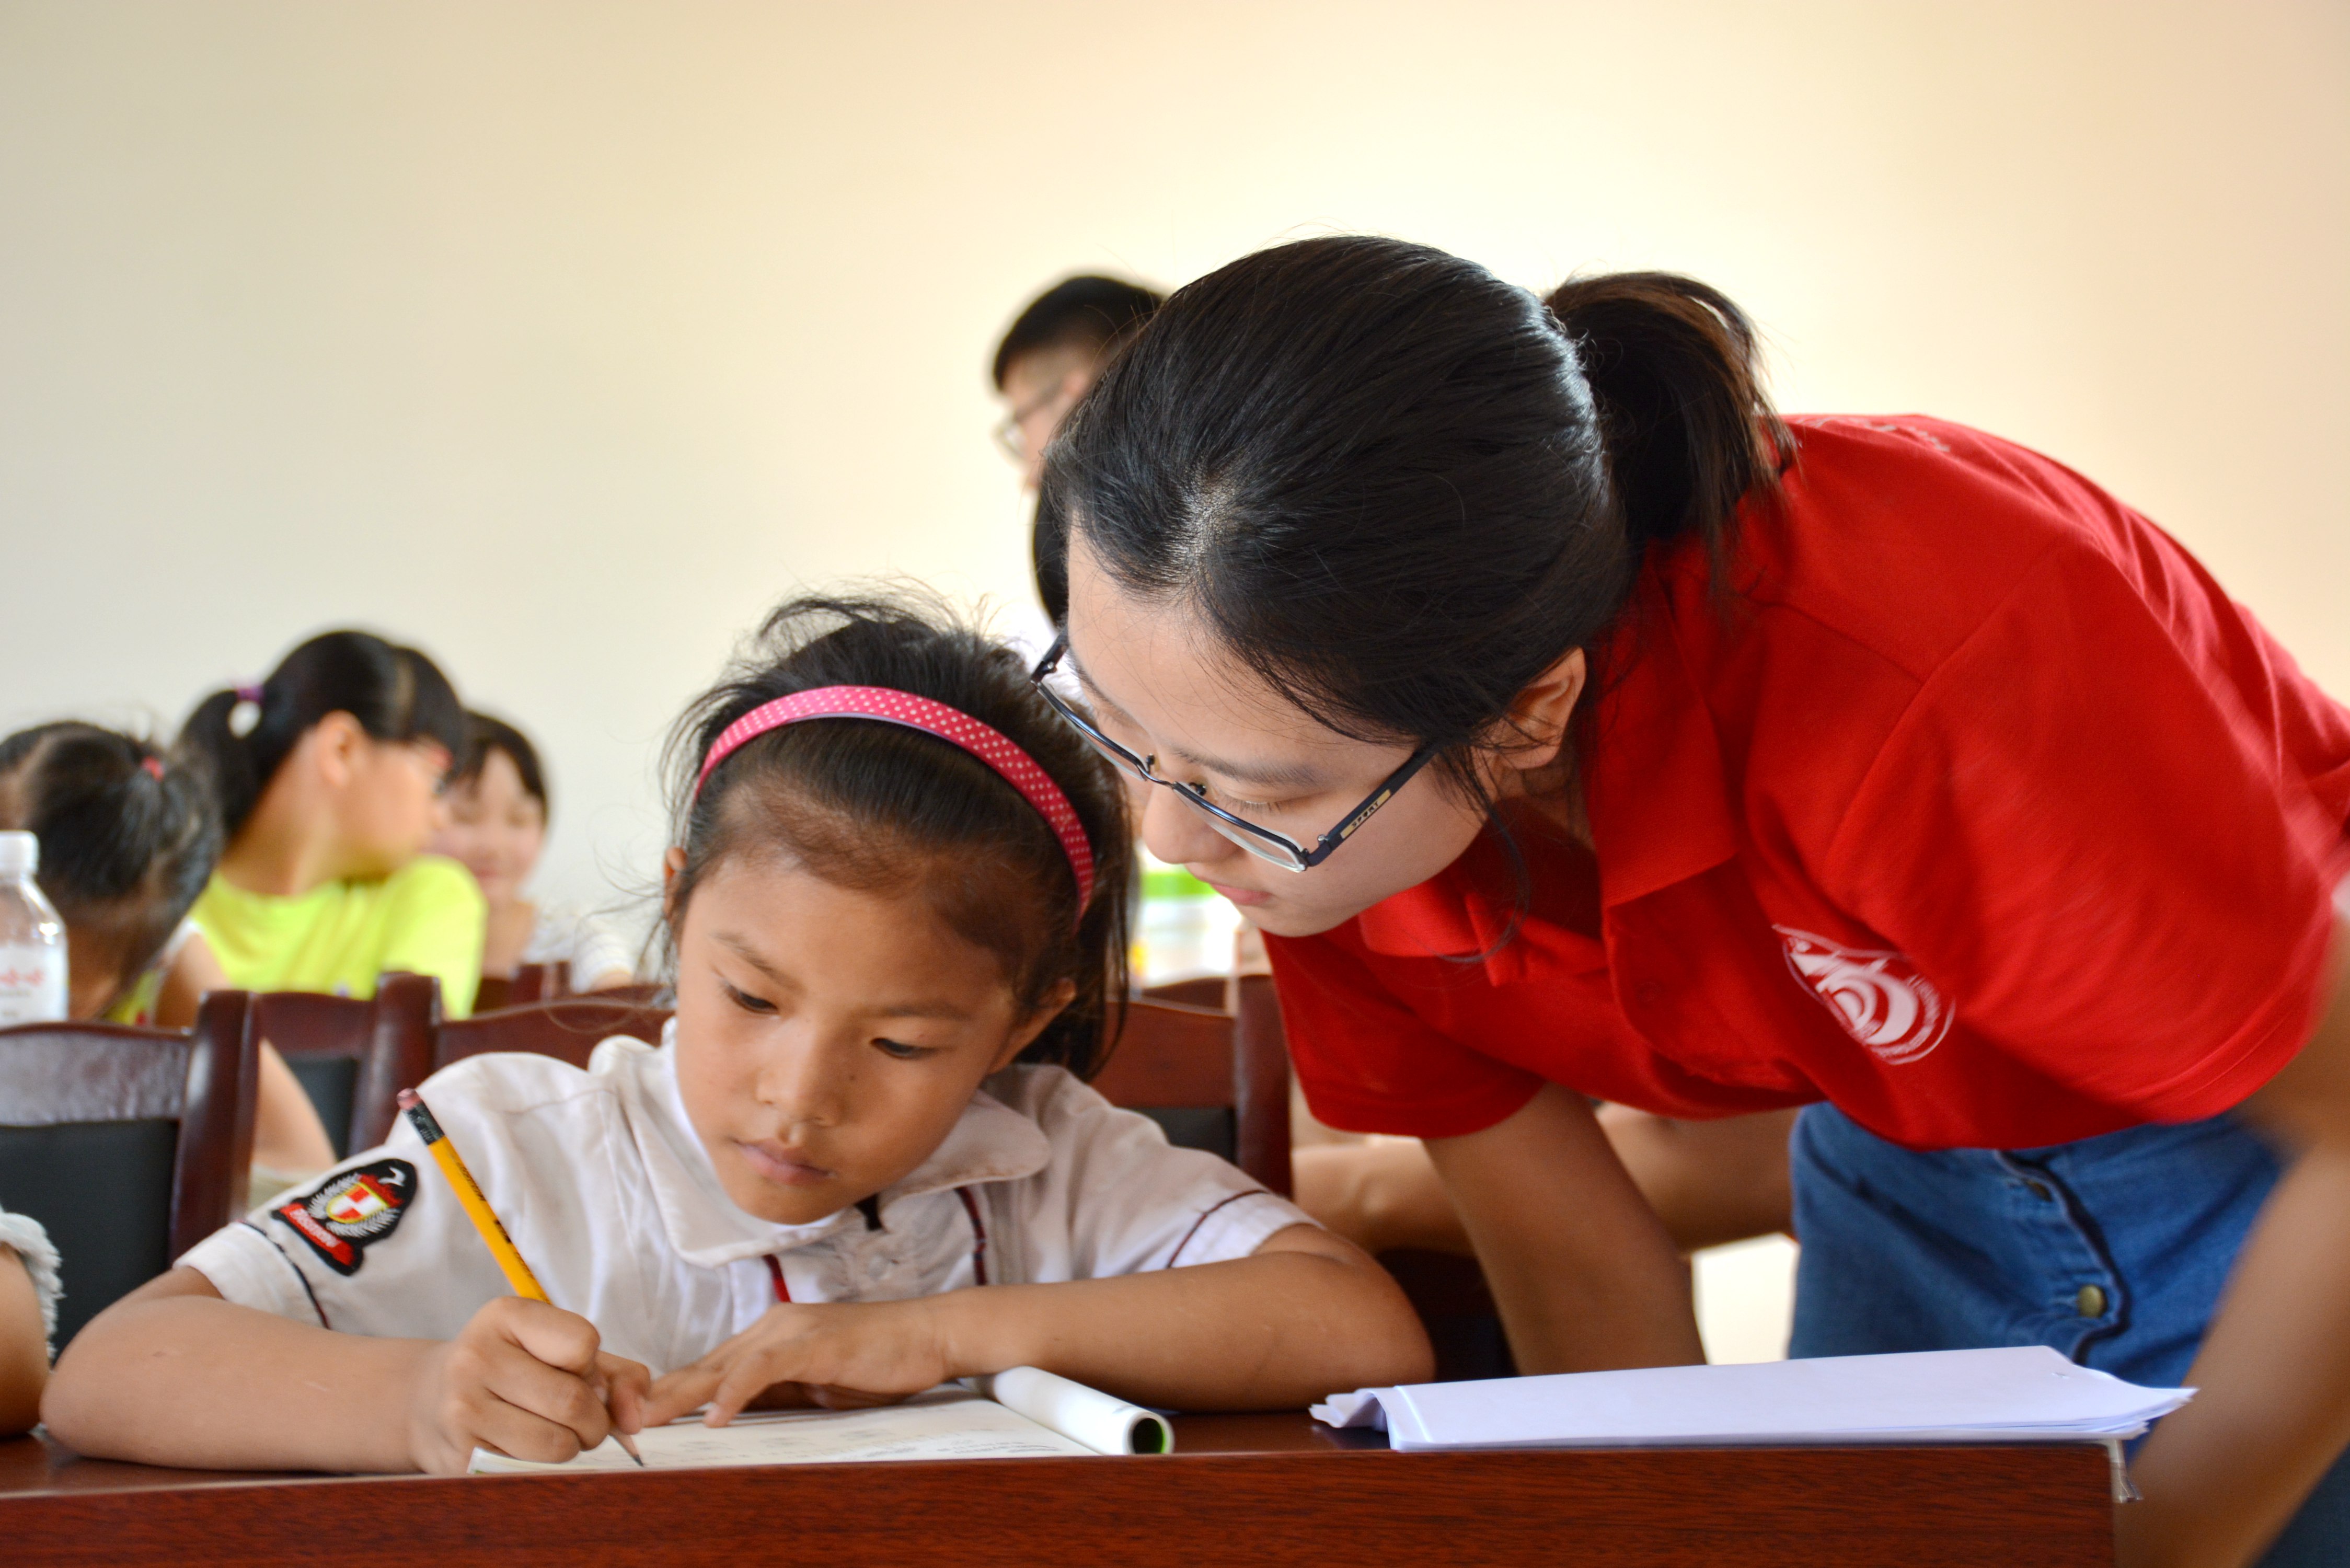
(2019, 1394)
(1023, 1413)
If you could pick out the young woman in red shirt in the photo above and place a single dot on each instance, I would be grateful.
(1574, 727)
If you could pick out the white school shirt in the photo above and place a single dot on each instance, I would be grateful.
(609, 1195)
(587, 948)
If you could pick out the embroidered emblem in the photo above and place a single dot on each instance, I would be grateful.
(1880, 997)
(352, 1212)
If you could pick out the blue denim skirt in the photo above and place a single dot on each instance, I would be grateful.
(2112, 1249)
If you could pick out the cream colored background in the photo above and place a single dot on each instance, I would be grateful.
(561, 338)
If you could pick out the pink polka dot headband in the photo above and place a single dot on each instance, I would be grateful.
(990, 747)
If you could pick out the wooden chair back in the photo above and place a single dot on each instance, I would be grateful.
(569, 1029)
(644, 992)
(1212, 992)
(353, 1057)
(130, 1146)
(529, 983)
(1215, 1078)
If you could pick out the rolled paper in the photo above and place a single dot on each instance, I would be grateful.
(1087, 1416)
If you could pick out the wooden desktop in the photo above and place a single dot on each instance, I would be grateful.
(1240, 1490)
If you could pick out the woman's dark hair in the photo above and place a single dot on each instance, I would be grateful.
(1096, 314)
(1398, 488)
(873, 805)
(485, 734)
(128, 838)
(396, 694)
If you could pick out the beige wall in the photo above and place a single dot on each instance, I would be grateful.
(562, 336)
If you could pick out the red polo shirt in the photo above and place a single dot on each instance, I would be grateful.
(1978, 810)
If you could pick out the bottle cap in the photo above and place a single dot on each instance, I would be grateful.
(20, 854)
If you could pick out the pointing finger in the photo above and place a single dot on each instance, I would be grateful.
(675, 1393)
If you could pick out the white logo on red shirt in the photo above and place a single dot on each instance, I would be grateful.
(1880, 997)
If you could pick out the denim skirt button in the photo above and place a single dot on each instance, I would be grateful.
(2091, 1300)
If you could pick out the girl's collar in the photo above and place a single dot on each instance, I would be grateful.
(990, 1142)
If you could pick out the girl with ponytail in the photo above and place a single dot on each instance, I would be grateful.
(328, 775)
(1576, 727)
(129, 835)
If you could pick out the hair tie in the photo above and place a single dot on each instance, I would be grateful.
(246, 714)
(153, 767)
(952, 725)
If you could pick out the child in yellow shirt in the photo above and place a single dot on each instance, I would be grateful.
(328, 775)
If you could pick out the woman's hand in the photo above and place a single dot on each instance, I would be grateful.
(527, 1379)
(842, 1357)
(1584, 1272)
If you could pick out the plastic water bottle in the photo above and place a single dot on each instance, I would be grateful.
(32, 939)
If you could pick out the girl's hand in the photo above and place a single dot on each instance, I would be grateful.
(527, 1379)
(841, 1355)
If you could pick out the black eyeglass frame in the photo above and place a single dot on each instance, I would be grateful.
(1009, 437)
(1295, 856)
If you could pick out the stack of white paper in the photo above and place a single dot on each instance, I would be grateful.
(2023, 1394)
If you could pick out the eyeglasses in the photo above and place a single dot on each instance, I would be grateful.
(1008, 433)
(1278, 849)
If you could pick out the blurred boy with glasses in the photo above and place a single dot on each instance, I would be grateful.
(1052, 353)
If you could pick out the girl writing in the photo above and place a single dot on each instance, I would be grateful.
(862, 1162)
(326, 775)
(128, 838)
(1574, 727)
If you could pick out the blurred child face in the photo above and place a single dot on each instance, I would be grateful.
(495, 827)
(828, 1040)
(389, 806)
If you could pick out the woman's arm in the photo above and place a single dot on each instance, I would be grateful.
(1583, 1271)
(24, 1347)
(1382, 1195)
(1709, 1182)
(2223, 1476)
(1712, 1182)
(173, 1374)
(1306, 1316)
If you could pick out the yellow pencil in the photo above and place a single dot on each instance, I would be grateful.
(484, 1219)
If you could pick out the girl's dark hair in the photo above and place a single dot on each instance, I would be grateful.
(485, 734)
(128, 838)
(396, 693)
(1398, 488)
(875, 805)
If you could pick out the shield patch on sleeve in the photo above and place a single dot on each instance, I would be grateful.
(352, 1211)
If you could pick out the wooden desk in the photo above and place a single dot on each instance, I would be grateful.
(1240, 1490)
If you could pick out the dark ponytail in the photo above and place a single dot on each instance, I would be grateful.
(1689, 431)
(1398, 488)
(128, 839)
(242, 736)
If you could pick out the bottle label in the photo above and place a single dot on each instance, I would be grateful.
(32, 984)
